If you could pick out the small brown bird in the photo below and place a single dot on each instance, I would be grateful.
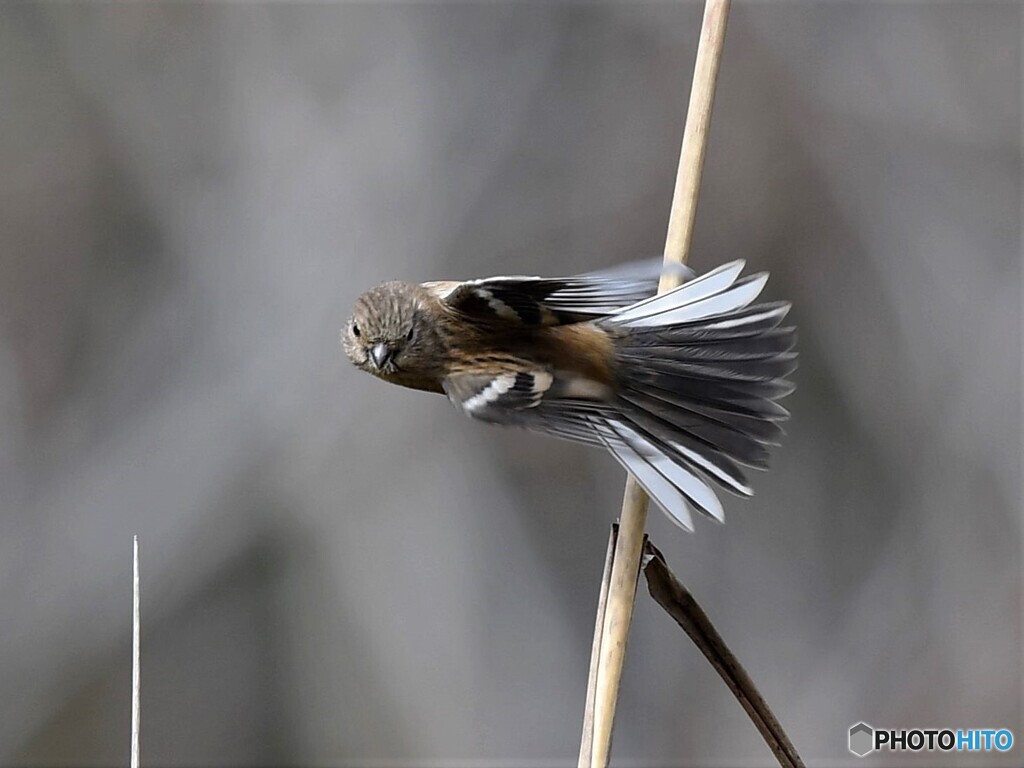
(680, 387)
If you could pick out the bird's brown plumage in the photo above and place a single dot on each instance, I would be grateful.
(680, 388)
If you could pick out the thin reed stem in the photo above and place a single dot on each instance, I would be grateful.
(618, 614)
(136, 654)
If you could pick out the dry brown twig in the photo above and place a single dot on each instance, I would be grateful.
(677, 601)
(627, 543)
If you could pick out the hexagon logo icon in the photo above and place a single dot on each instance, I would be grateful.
(862, 739)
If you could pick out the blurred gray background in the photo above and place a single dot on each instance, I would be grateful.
(341, 573)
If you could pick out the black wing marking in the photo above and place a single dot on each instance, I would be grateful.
(537, 301)
(497, 398)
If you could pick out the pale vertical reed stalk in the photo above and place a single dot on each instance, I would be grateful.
(625, 567)
(136, 655)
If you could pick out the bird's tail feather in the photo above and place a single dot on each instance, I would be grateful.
(699, 372)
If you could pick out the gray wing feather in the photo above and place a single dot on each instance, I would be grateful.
(516, 399)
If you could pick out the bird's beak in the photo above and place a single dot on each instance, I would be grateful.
(381, 354)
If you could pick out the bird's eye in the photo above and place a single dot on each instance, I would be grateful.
(355, 330)
(410, 334)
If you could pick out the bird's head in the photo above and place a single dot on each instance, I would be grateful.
(390, 336)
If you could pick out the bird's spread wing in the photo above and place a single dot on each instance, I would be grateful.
(537, 301)
(529, 398)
